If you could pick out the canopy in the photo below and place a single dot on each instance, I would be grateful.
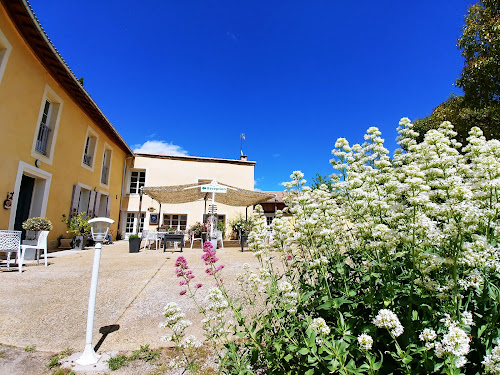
(192, 192)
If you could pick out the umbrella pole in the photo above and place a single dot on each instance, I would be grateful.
(212, 218)
(159, 217)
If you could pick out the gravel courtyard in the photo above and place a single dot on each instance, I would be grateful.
(46, 307)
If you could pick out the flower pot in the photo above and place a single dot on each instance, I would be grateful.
(134, 244)
(65, 243)
(78, 243)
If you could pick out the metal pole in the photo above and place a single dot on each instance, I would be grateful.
(89, 356)
(140, 206)
(159, 217)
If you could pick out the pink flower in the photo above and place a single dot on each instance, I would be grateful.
(198, 286)
(182, 292)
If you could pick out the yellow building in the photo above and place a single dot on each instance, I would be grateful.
(59, 153)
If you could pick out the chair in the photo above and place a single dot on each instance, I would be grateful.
(41, 244)
(152, 236)
(218, 237)
(193, 238)
(10, 242)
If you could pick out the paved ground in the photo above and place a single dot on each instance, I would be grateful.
(46, 307)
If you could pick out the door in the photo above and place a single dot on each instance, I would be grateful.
(24, 203)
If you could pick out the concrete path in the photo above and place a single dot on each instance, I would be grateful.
(47, 306)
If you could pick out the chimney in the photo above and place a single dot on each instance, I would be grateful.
(243, 157)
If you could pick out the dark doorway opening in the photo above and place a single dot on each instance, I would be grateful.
(24, 203)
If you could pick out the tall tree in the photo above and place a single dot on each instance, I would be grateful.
(479, 79)
(480, 46)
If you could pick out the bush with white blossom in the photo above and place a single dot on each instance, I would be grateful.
(393, 271)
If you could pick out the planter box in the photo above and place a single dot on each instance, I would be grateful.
(79, 243)
(134, 244)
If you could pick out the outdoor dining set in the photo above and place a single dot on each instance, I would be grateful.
(10, 242)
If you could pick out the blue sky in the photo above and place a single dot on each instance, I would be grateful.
(293, 76)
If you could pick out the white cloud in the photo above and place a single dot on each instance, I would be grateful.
(160, 147)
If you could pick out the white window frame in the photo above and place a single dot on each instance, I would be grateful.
(107, 147)
(53, 123)
(137, 184)
(179, 219)
(5, 50)
(92, 134)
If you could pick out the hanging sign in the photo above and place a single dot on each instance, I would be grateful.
(212, 188)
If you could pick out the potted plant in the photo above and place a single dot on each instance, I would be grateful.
(198, 230)
(79, 226)
(134, 243)
(241, 226)
(35, 225)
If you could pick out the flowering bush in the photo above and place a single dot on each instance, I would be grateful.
(78, 224)
(395, 271)
(37, 224)
(240, 224)
(197, 229)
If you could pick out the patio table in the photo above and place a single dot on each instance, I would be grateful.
(171, 238)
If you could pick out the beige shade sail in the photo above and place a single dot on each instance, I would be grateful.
(192, 192)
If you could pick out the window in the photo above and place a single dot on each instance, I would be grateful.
(89, 149)
(137, 180)
(175, 221)
(106, 164)
(131, 223)
(5, 48)
(47, 125)
(269, 220)
(220, 218)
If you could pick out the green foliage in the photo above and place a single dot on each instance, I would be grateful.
(239, 223)
(37, 224)
(480, 46)
(30, 348)
(53, 362)
(197, 228)
(463, 117)
(115, 363)
(322, 180)
(78, 225)
(133, 236)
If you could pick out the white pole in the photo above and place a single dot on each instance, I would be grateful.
(212, 218)
(89, 356)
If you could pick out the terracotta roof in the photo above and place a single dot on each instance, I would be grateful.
(280, 196)
(194, 158)
(23, 17)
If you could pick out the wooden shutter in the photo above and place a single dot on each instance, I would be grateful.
(97, 204)
(75, 200)
(108, 206)
(90, 210)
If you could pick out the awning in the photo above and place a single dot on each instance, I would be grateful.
(192, 192)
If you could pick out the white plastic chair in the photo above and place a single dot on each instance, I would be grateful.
(218, 237)
(10, 242)
(40, 245)
(193, 238)
(152, 236)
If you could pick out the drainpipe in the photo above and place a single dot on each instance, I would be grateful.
(121, 194)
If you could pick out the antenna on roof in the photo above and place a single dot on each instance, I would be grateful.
(242, 138)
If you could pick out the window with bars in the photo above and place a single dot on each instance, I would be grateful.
(269, 220)
(175, 221)
(137, 180)
(106, 160)
(44, 130)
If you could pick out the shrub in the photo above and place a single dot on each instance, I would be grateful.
(37, 224)
(133, 236)
(395, 271)
(78, 225)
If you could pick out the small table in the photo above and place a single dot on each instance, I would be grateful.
(171, 238)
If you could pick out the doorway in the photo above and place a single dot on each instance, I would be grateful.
(24, 202)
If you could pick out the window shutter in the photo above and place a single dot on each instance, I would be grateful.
(75, 200)
(108, 207)
(97, 204)
(90, 211)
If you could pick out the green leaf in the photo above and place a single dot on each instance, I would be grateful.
(303, 351)
(309, 372)
(288, 357)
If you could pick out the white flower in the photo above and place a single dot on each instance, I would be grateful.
(319, 325)
(365, 341)
(387, 319)
(455, 342)
(428, 335)
(491, 362)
